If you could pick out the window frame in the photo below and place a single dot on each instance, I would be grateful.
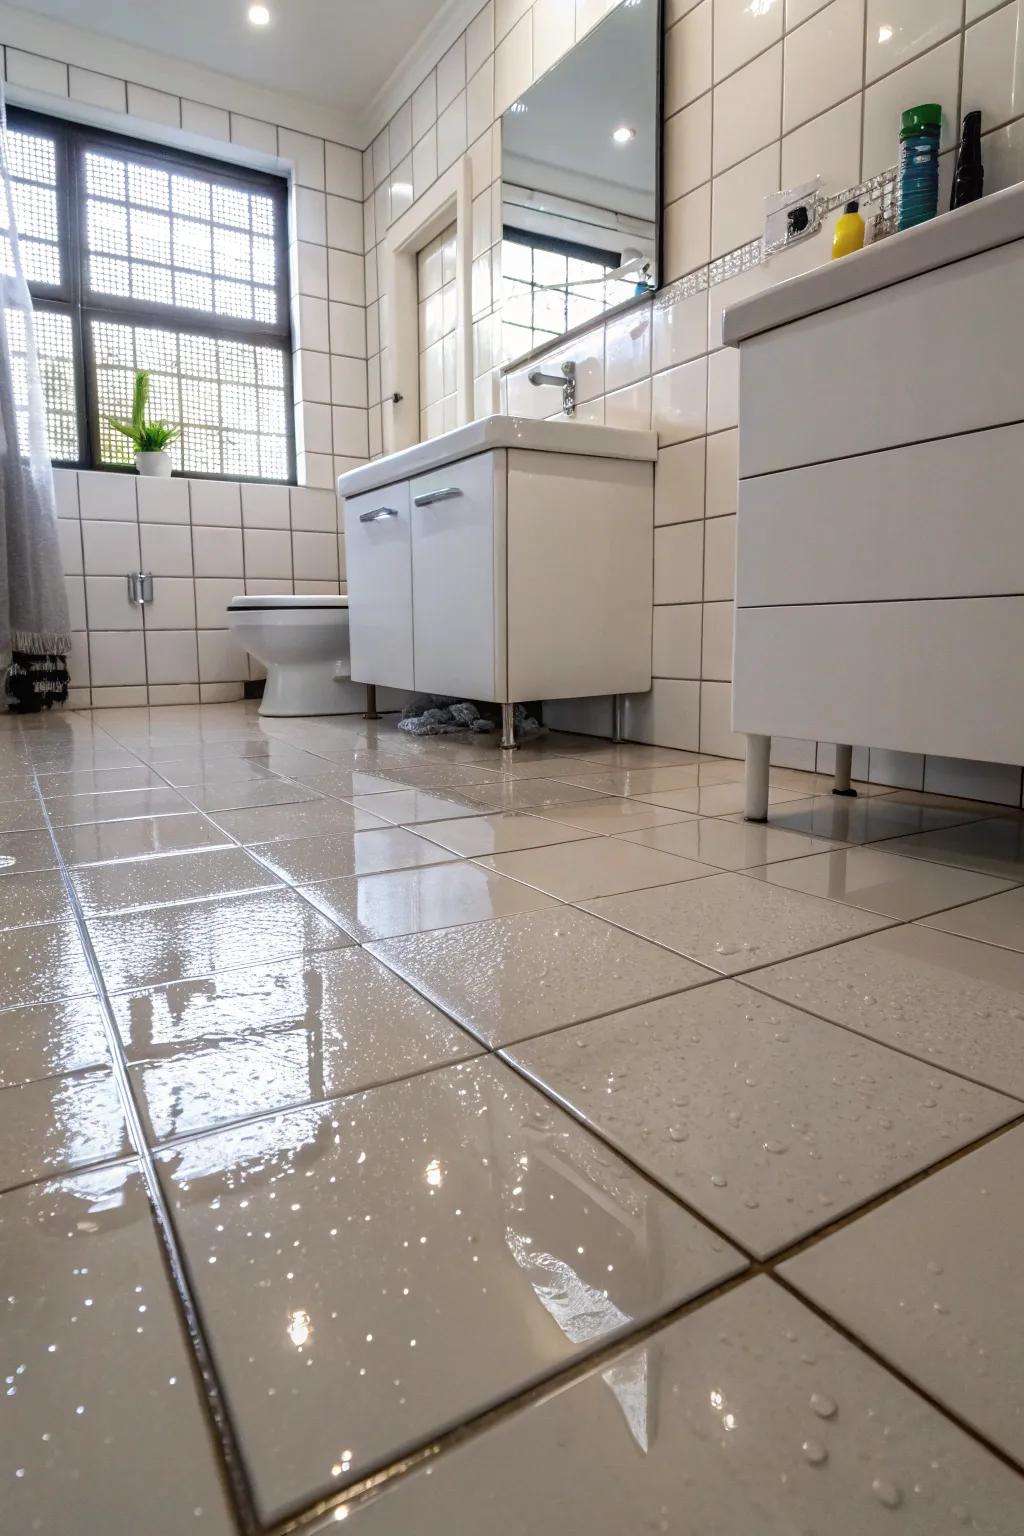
(73, 139)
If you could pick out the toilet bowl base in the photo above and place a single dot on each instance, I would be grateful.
(309, 688)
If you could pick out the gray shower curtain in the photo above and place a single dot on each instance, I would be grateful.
(34, 622)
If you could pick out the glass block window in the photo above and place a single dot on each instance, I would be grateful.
(549, 290)
(55, 351)
(229, 397)
(151, 258)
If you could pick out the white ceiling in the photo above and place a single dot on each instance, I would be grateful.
(337, 51)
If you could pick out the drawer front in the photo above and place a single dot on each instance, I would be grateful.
(933, 356)
(378, 550)
(458, 583)
(938, 519)
(942, 677)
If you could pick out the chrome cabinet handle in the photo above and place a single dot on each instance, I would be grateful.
(429, 497)
(377, 513)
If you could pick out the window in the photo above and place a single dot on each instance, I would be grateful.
(551, 286)
(138, 257)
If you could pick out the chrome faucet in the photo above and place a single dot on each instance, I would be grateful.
(566, 381)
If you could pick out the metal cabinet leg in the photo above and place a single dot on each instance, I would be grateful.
(844, 768)
(371, 702)
(508, 727)
(758, 756)
(617, 712)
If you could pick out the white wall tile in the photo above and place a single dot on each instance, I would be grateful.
(424, 162)
(743, 30)
(111, 549)
(78, 660)
(630, 408)
(722, 473)
(903, 769)
(252, 133)
(680, 331)
(116, 658)
(347, 330)
(719, 558)
(590, 12)
(678, 563)
(424, 107)
(166, 549)
(74, 587)
(350, 431)
(827, 146)
(309, 268)
(216, 503)
(897, 33)
(676, 648)
(97, 90)
(687, 233)
(173, 693)
(107, 496)
(343, 171)
(310, 215)
(554, 32)
(506, 14)
(107, 605)
(933, 77)
(213, 594)
(978, 8)
(310, 324)
(306, 155)
(344, 224)
(716, 732)
(399, 142)
(679, 483)
(679, 402)
(824, 61)
(668, 715)
(171, 656)
(480, 101)
(314, 511)
(998, 782)
(268, 552)
(688, 58)
(746, 109)
(994, 67)
(65, 489)
(221, 658)
(381, 149)
(716, 649)
(1003, 155)
(265, 506)
(316, 556)
(513, 65)
(687, 149)
(173, 605)
(207, 122)
(162, 501)
(451, 133)
(36, 73)
(217, 551)
(451, 73)
(154, 106)
(71, 546)
(480, 38)
(798, 11)
(627, 348)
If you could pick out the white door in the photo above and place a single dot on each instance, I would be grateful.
(459, 577)
(378, 554)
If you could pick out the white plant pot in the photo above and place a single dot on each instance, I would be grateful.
(156, 463)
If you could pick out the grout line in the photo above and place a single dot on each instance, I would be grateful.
(211, 1394)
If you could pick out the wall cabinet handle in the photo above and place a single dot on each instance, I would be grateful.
(429, 497)
(377, 513)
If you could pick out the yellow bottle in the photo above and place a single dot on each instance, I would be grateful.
(849, 235)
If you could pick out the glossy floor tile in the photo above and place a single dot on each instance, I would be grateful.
(996, 920)
(143, 949)
(473, 836)
(520, 976)
(103, 1422)
(947, 1000)
(305, 859)
(732, 923)
(178, 877)
(404, 1224)
(768, 1122)
(751, 1415)
(417, 900)
(254, 975)
(727, 844)
(994, 846)
(58, 1123)
(600, 866)
(881, 882)
(932, 1281)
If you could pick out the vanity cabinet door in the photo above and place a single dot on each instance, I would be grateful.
(458, 578)
(378, 554)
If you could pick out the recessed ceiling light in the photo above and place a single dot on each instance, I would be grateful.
(519, 106)
(624, 135)
(259, 15)
(885, 34)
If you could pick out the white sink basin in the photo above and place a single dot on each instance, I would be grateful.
(500, 432)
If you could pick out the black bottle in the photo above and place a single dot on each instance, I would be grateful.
(969, 175)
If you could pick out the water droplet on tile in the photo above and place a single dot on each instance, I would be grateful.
(677, 1133)
(934, 1267)
(751, 1204)
(868, 1000)
(824, 1406)
(886, 1493)
(719, 1180)
(940, 1307)
(814, 1452)
(775, 1146)
(7, 861)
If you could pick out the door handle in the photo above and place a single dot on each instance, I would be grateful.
(429, 497)
(377, 513)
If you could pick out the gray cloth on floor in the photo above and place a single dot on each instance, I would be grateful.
(34, 619)
(449, 717)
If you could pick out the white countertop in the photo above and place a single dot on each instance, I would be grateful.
(995, 220)
(500, 432)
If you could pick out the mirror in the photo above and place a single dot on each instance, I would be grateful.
(580, 183)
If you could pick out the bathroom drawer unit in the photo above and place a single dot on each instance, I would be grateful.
(508, 561)
(880, 535)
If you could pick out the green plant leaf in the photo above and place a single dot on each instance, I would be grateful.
(140, 399)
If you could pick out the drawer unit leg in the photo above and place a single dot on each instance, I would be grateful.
(844, 768)
(371, 702)
(508, 727)
(758, 755)
(617, 712)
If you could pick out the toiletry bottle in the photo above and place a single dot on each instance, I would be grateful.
(969, 176)
(849, 233)
(919, 164)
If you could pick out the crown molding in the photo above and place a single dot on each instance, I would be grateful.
(432, 44)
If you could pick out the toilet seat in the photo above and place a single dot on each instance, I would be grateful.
(303, 601)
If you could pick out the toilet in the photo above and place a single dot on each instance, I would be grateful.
(303, 643)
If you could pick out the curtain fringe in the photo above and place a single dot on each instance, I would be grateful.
(40, 645)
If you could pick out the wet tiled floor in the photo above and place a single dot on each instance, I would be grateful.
(396, 1133)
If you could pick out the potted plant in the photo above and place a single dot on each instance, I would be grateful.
(150, 437)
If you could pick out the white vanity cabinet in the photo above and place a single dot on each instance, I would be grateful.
(507, 561)
(880, 538)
